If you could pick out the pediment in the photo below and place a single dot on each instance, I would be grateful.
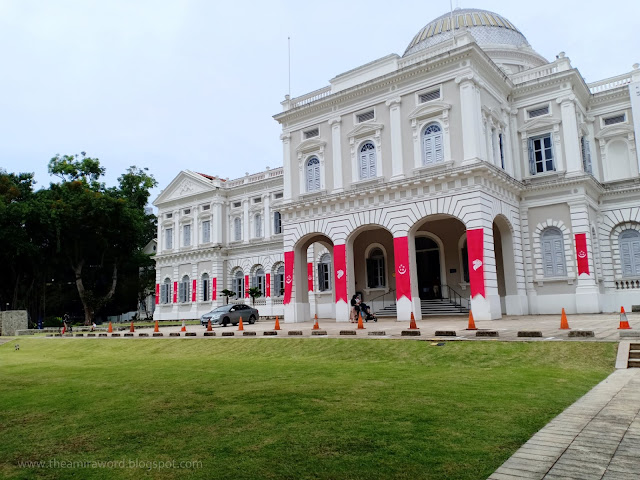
(364, 129)
(621, 130)
(186, 184)
(311, 145)
(429, 110)
(539, 123)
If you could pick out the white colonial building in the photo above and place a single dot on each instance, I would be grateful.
(470, 167)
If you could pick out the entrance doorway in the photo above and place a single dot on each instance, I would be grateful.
(428, 268)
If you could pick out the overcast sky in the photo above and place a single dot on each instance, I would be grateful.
(193, 84)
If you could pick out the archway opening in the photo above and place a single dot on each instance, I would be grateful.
(428, 268)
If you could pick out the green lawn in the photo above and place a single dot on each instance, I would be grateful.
(282, 408)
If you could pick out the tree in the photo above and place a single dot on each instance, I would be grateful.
(254, 292)
(227, 294)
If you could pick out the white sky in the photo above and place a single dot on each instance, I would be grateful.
(193, 84)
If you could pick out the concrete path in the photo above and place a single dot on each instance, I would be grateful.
(598, 437)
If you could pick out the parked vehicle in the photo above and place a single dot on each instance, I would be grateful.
(230, 314)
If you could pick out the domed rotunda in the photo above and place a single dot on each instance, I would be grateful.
(496, 35)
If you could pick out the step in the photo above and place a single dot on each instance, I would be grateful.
(635, 363)
(634, 354)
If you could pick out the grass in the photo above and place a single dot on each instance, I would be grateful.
(283, 408)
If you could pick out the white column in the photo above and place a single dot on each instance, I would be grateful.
(336, 154)
(587, 295)
(245, 220)
(195, 236)
(570, 135)
(286, 165)
(176, 230)
(471, 120)
(216, 223)
(527, 260)
(266, 200)
(634, 95)
(397, 164)
(161, 245)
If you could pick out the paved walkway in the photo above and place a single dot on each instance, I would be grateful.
(598, 437)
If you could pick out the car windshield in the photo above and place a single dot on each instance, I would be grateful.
(224, 308)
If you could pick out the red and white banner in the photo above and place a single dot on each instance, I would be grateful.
(288, 277)
(268, 285)
(475, 249)
(175, 292)
(214, 289)
(246, 286)
(340, 271)
(194, 290)
(403, 276)
(582, 254)
(157, 293)
(310, 276)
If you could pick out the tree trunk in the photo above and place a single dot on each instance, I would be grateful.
(89, 310)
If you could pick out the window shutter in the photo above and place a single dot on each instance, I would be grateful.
(316, 175)
(625, 254)
(532, 160)
(635, 250)
(439, 154)
(364, 167)
(428, 153)
(547, 255)
(558, 247)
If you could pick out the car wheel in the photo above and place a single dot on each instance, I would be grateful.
(225, 321)
(252, 320)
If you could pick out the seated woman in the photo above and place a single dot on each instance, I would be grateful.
(355, 308)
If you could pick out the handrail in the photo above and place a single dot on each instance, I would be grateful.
(384, 299)
(457, 297)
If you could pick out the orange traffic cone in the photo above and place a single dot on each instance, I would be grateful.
(360, 325)
(110, 329)
(209, 329)
(184, 327)
(412, 325)
(155, 328)
(624, 323)
(564, 325)
(241, 327)
(472, 324)
(131, 329)
(315, 325)
(277, 327)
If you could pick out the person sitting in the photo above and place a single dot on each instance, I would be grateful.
(366, 311)
(355, 308)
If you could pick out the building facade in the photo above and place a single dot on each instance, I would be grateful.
(469, 169)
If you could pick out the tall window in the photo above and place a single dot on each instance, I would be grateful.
(206, 231)
(313, 174)
(258, 280)
(375, 269)
(257, 220)
(433, 150)
(278, 281)
(186, 235)
(238, 284)
(501, 145)
(277, 223)
(165, 291)
(541, 154)
(168, 238)
(237, 229)
(553, 253)
(367, 160)
(183, 289)
(206, 287)
(630, 253)
(586, 155)
(465, 262)
(324, 273)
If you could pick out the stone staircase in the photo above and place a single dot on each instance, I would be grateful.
(428, 308)
(634, 355)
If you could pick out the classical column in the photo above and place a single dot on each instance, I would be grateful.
(587, 294)
(395, 116)
(195, 236)
(471, 118)
(570, 138)
(336, 154)
(286, 165)
(245, 221)
(176, 230)
(266, 200)
(216, 223)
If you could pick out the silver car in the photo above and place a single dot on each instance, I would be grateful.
(230, 314)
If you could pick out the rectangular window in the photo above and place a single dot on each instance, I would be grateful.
(323, 277)
(168, 238)
(258, 226)
(164, 293)
(429, 96)
(278, 195)
(205, 289)
(538, 112)
(501, 150)
(187, 211)
(206, 207)
(236, 204)
(257, 200)
(277, 223)
(586, 155)
(206, 231)
(187, 235)
(541, 154)
(364, 117)
(614, 120)
(311, 133)
(169, 215)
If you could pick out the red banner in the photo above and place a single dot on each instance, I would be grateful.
(475, 249)
(157, 293)
(288, 277)
(310, 276)
(193, 292)
(246, 286)
(582, 254)
(268, 284)
(340, 271)
(403, 276)
(214, 290)
(175, 292)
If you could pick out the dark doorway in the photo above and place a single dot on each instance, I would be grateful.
(428, 268)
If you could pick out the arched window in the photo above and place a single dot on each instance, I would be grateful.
(278, 281)
(553, 261)
(237, 229)
(206, 287)
(277, 223)
(367, 160)
(313, 174)
(324, 273)
(630, 253)
(183, 289)
(432, 148)
(165, 291)
(258, 280)
(238, 284)
(375, 269)
(257, 220)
